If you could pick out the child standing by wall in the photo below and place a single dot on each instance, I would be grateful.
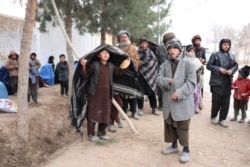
(241, 95)
(32, 89)
(63, 75)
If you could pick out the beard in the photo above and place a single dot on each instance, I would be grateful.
(124, 44)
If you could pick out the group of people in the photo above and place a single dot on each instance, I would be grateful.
(12, 65)
(173, 73)
(34, 80)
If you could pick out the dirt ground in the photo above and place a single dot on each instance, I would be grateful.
(49, 130)
(53, 143)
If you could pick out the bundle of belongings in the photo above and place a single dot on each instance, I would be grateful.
(8, 106)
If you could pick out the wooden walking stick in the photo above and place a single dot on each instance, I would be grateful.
(131, 125)
(77, 55)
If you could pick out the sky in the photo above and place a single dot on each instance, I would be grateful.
(12, 8)
(189, 17)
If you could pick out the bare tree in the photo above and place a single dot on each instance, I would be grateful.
(131, 125)
(29, 24)
(231, 33)
(216, 29)
(245, 43)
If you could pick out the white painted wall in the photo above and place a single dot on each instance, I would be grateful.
(54, 43)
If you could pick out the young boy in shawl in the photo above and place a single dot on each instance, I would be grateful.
(177, 80)
(148, 70)
(100, 92)
(241, 94)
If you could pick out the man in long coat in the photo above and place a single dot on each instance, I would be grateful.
(177, 80)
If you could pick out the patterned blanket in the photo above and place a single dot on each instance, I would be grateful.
(126, 84)
(149, 67)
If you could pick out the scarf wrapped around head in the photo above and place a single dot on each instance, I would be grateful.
(196, 37)
(191, 57)
(119, 34)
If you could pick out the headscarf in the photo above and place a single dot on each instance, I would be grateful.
(119, 34)
(224, 41)
(12, 52)
(197, 47)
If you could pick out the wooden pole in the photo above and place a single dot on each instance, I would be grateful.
(77, 55)
(131, 125)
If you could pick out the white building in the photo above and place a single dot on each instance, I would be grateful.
(53, 43)
(43, 44)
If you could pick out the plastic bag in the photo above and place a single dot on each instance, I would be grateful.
(8, 106)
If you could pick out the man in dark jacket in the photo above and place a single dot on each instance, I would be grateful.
(222, 65)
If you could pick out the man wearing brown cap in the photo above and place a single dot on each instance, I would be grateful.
(200, 53)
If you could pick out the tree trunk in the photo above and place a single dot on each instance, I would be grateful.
(68, 27)
(103, 35)
(68, 37)
(23, 119)
(78, 56)
(113, 39)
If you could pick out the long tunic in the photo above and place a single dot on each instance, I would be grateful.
(99, 104)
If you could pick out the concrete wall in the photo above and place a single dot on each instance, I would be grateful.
(44, 44)
(10, 34)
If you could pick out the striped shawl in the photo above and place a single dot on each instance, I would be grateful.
(148, 67)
